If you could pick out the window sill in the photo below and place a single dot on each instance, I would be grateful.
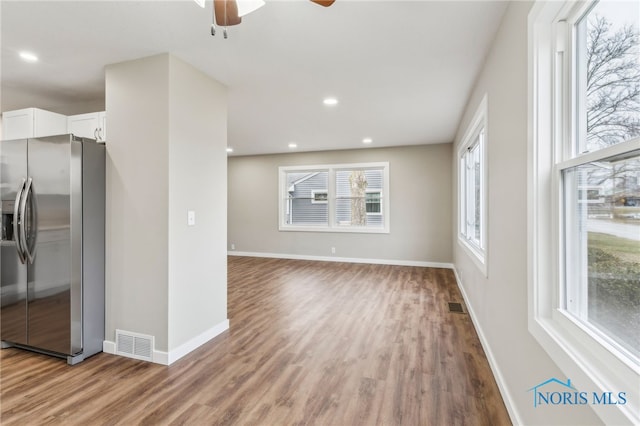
(590, 363)
(351, 230)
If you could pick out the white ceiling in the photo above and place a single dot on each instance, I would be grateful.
(402, 71)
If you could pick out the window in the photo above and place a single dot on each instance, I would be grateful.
(472, 188)
(373, 200)
(591, 195)
(302, 206)
(319, 196)
(584, 223)
(601, 286)
(353, 202)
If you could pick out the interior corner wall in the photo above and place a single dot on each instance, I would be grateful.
(420, 191)
(498, 303)
(137, 198)
(197, 182)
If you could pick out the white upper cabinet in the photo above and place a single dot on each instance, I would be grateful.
(103, 125)
(32, 123)
(91, 125)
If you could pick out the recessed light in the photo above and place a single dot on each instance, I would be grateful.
(293, 145)
(367, 140)
(330, 101)
(28, 57)
(229, 149)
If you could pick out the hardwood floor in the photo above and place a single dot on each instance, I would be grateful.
(310, 343)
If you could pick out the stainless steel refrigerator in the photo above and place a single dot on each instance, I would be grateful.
(52, 198)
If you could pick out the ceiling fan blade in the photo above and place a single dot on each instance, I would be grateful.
(226, 12)
(325, 3)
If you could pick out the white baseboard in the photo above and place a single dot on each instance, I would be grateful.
(196, 342)
(493, 364)
(168, 358)
(160, 357)
(109, 347)
(343, 259)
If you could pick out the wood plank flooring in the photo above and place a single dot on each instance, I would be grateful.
(310, 343)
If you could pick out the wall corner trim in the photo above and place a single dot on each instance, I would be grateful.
(493, 364)
(343, 259)
(168, 358)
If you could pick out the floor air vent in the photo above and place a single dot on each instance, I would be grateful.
(134, 345)
(456, 307)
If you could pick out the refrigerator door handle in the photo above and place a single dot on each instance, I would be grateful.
(17, 222)
(23, 232)
(29, 241)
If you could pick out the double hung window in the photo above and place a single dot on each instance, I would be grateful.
(472, 187)
(599, 174)
(584, 191)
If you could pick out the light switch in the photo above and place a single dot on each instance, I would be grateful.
(191, 218)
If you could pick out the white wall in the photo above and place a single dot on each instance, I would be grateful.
(499, 302)
(198, 182)
(137, 99)
(420, 186)
(166, 155)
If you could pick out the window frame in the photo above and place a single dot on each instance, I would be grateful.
(333, 225)
(476, 134)
(553, 107)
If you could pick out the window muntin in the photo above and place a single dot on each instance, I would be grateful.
(340, 198)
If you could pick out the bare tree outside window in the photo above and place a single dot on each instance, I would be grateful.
(613, 83)
(613, 103)
(358, 182)
(612, 213)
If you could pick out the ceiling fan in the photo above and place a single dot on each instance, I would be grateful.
(230, 12)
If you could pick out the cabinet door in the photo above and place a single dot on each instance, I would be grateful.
(47, 123)
(32, 123)
(17, 124)
(84, 125)
(103, 126)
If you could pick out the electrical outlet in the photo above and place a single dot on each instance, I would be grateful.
(233, 246)
(191, 218)
(333, 250)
